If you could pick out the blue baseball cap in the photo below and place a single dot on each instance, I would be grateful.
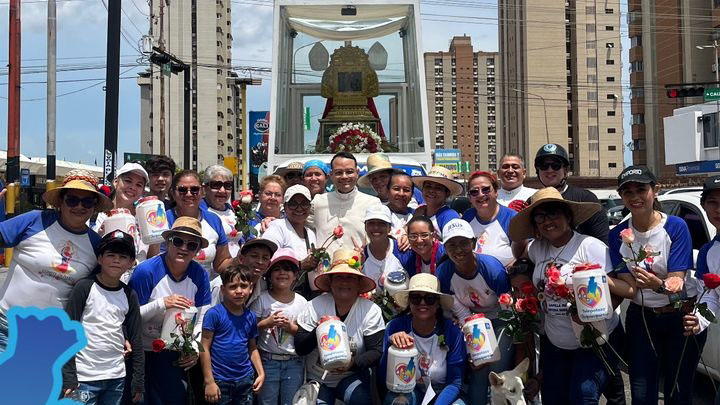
(315, 163)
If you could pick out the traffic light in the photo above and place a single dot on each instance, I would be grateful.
(686, 92)
(160, 58)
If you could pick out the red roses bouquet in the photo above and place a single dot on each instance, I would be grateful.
(356, 138)
(521, 312)
(244, 213)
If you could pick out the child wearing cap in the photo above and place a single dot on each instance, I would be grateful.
(228, 338)
(256, 254)
(379, 258)
(277, 309)
(106, 307)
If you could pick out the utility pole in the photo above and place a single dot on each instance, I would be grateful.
(161, 46)
(51, 91)
(112, 88)
(13, 153)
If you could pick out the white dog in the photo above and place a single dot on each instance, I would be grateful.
(507, 387)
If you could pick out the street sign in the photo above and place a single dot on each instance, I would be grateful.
(695, 168)
(24, 177)
(307, 118)
(712, 94)
(166, 69)
(137, 157)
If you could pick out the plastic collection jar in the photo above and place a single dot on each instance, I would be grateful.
(152, 219)
(480, 340)
(401, 369)
(592, 293)
(333, 343)
(396, 281)
(120, 219)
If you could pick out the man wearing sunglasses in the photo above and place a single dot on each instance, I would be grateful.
(552, 166)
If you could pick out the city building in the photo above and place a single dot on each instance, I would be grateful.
(664, 41)
(562, 82)
(462, 104)
(201, 37)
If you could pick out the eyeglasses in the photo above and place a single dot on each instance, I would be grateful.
(178, 242)
(416, 236)
(541, 217)
(270, 194)
(217, 185)
(305, 205)
(416, 299)
(477, 191)
(87, 202)
(293, 175)
(194, 190)
(546, 165)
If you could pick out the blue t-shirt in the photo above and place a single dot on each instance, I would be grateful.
(408, 259)
(708, 256)
(229, 352)
(493, 237)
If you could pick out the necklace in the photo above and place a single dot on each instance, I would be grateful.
(418, 260)
(554, 259)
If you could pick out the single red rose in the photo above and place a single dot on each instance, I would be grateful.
(338, 232)
(235, 204)
(711, 280)
(562, 291)
(158, 345)
(505, 300)
(520, 305)
(527, 288)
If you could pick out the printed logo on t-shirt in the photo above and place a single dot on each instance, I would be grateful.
(475, 339)
(474, 297)
(331, 340)
(406, 372)
(590, 294)
(425, 363)
(481, 242)
(67, 251)
(280, 335)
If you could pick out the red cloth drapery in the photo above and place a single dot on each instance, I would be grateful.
(370, 106)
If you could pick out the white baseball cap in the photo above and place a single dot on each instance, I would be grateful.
(295, 190)
(133, 168)
(380, 212)
(457, 227)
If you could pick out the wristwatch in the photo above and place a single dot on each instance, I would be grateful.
(661, 289)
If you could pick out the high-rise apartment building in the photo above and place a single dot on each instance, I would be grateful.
(201, 37)
(562, 81)
(462, 102)
(664, 36)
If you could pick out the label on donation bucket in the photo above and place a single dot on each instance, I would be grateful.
(480, 340)
(401, 366)
(120, 219)
(333, 343)
(592, 293)
(152, 219)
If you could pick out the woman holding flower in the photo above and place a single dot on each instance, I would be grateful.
(654, 252)
(572, 374)
(439, 342)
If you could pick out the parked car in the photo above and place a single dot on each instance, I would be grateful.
(681, 190)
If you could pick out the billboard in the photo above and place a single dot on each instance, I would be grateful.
(257, 146)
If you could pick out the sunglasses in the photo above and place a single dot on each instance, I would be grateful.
(547, 165)
(477, 191)
(295, 205)
(178, 242)
(293, 175)
(416, 299)
(541, 217)
(217, 185)
(87, 202)
(194, 190)
(416, 236)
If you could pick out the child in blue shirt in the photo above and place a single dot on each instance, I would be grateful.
(229, 335)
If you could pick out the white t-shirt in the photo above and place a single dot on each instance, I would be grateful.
(229, 220)
(493, 237)
(378, 269)
(398, 222)
(364, 319)
(522, 193)
(580, 249)
(276, 340)
(283, 234)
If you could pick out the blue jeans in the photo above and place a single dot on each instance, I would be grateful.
(236, 392)
(479, 387)
(576, 376)
(415, 398)
(282, 380)
(165, 383)
(102, 392)
(646, 366)
(352, 390)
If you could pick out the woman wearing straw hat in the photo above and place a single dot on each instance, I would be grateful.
(365, 327)
(437, 187)
(378, 175)
(170, 281)
(439, 342)
(572, 374)
(53, 249)
(655, 285)
(476, 280)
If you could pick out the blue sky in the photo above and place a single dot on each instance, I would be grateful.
(82, 42)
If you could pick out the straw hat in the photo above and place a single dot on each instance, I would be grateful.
(291, 167)
(423, 282)
(521, 226)
(345, 261)
(440, 175)
(377, 162)
(78, 180)
(187, 226)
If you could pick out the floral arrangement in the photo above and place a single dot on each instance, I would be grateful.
(244, 213)
(356, 138)
(183, 341)
(520, 312)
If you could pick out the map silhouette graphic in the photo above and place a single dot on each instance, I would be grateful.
(40, 342)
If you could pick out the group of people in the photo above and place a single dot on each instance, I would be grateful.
(255, 301)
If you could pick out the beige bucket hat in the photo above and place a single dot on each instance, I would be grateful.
(423, 282)
(440, 175)
(187, 226)
(377, 162)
